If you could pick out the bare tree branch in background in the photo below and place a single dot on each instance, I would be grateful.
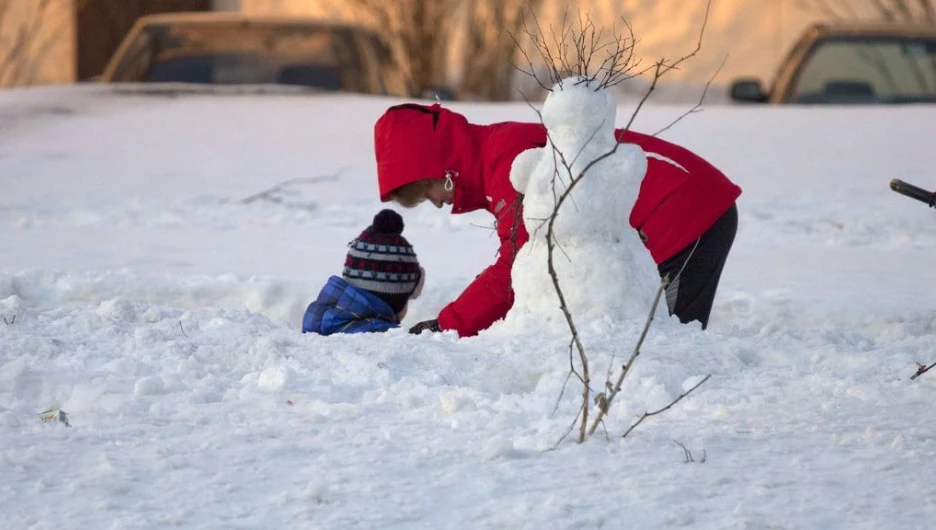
(418, 30)
(929, 10)
(24, 42)
(487, 66)
(829, 8)
(29, 30)
(424, 32)
(7, 50)
(893, 11)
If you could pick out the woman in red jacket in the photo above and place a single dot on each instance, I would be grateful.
(685, 211)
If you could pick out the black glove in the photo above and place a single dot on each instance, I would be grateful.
(430, 325)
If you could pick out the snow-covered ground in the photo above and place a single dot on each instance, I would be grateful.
(157, 254)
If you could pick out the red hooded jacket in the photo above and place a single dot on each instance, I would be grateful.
(680, 197)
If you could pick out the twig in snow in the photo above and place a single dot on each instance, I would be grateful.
(921, 369)
(53, 415)
(183, 329)
(688, 454)
(646, 415)
(562, 392)
(9, 322)
(269, 193)
(570, 429)
(612, 391)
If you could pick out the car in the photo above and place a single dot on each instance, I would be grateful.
(236, 49)
(851, 63)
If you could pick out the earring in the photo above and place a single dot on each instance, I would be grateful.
(449, 183)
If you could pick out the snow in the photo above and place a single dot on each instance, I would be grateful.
(161, 311)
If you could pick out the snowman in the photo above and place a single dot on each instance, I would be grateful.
(603, 269)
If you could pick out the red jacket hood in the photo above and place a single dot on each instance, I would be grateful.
(417, 142)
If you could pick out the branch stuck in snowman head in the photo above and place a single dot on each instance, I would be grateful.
(581, 52)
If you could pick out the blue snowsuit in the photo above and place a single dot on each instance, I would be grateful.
(343, 308)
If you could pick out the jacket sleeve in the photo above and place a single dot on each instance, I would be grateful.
(490, 296)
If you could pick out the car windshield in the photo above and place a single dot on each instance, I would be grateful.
(869, 70)
(229, 54)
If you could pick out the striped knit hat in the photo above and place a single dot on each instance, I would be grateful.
(382, 262)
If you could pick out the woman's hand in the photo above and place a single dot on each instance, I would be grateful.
(430, 325)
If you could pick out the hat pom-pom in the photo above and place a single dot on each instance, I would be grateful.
(388, 222)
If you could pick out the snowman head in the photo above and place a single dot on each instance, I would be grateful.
(579, 106)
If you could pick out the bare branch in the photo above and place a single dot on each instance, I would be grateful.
(616, 388)
(562, 392)
(568, 430)
(583, 358)
(532, 68)
(662, 67)
(270, 194)
(828, 9)
(885, 11)
(573, 52)
(538, 41)
(625, 368)
(903, 9)
(686, 452)
(551, 245)
(416, 30)
(929, 11)
(646, 415)
(34, 38)
(698, 106)
(892, 11)
(493, 40)
(921, 369)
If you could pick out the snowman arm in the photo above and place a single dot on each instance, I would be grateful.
(523, 166)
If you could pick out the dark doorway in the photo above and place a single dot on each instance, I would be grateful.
(102, 24)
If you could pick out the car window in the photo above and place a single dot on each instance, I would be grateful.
(136, 59)
(243, 68)
(868, 70)
(318, 57)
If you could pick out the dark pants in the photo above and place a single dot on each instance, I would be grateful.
(690, 293)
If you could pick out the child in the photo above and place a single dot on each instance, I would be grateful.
(381, 275)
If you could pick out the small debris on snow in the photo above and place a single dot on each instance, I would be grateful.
(54, 414)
